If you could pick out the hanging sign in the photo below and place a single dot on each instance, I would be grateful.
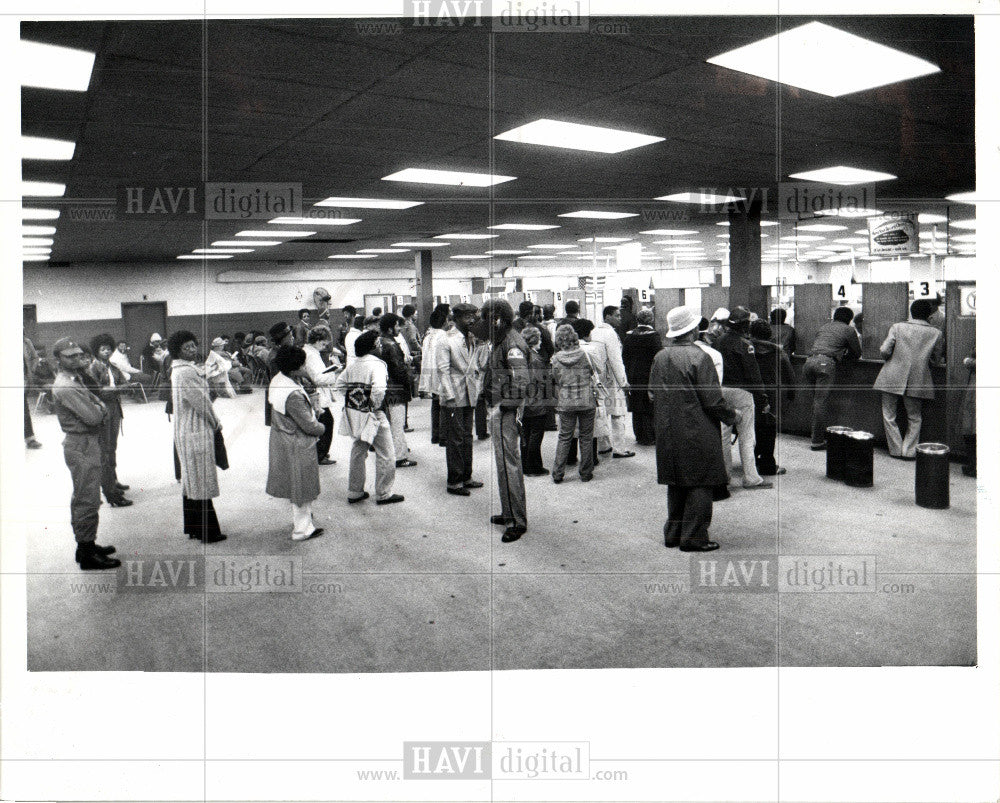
(893, 234)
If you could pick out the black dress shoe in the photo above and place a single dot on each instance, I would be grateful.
(119, 501)
(618, 456)
(326, 461)
(699, 546)
(121, 486)
(390, 500)
(671, 544)
(604, 451)
(361, 498)
(407, 429)
(91, 559)
(472, 484)
(100, 550)
(459, 491)
(500, 520)
(512, 533)
(405, 463)
(212, 538)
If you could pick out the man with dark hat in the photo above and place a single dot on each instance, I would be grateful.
(81, 414)
(458, 375)
(688, 408)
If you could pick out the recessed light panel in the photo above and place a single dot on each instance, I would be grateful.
(929, 219)
(46, 189)
(382, 250)
(465, 236)
(604, 240)
(505, 252)
(670, 232)
(39, 214)
(43, 148)
(315, 221)
(596, 215)
(245, 243)
(963, 197)
(275, 233)
(523, 227)
(419, 245)
(843, 175)
(470, 256)
(821, 227)
(222, 251)
(700, 198)
(43, 231)
(849, 63)
(353, 256)
(54, 67)
(449, 177)
(848, 212)
(367, 203)
(205, 256)
(558, 134)
(554, 246)
(963, 224)
(36, 241)
(35, 258)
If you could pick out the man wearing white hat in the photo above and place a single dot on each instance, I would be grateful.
(687, 410)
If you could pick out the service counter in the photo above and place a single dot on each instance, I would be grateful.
(855, 404)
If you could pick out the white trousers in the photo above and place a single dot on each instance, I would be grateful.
(302, 520)
(397, 421)
(742, 400)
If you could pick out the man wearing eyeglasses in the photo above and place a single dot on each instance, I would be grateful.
(80, 414)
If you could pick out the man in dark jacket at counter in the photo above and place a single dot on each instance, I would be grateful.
(777, 375)
(398, 393)
(688, 407)
(836, 341)
(504, 388)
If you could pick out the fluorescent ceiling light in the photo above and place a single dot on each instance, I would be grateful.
(845, 212)
(36, 251)
(315, 221)
(790, 58)
(553, 246)
(35, 258)
(275, 233)
(670, 232)
(700, 198)
(841, 174)
(558, 134)
(503, 252)
(537, 256)
(247, 243)
(466, 236)
(382, 250)
(352, 256)
(804, 238)
(470, 256)
(604, 240)
(964, 238)
(678, 242)
(822, 227)
(367, 203)
(222, 251)
(205, 256)
(571, 252)
(47, 189)
(523, 227)
(766, 223)
(36, 241)
(963, 224)
(856, 240)
(929, 219)
(44, 148)
(42, 230)
(419, 245)
(39, 214)
(963, 197)
(596, 215)
(450, 177)
(54, 67)
(722, 223)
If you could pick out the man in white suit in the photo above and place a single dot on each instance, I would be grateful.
(458, 376)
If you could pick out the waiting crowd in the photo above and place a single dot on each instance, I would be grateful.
(690, 393)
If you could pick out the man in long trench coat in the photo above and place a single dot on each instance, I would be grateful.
(687, 410)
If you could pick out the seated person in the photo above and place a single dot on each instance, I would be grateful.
(119, 359)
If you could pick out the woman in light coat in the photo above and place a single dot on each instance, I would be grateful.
(428, 384)
(195, 425)
(576, 402)
(293, 471)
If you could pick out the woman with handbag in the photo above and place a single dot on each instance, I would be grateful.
(539, 407)
(576, 402)
(195, 428)
(293, 471)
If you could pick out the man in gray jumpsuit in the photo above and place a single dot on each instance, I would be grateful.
(80, 414)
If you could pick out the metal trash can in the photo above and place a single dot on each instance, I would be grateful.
(859, 459)
(836, 448)
(932, 476)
